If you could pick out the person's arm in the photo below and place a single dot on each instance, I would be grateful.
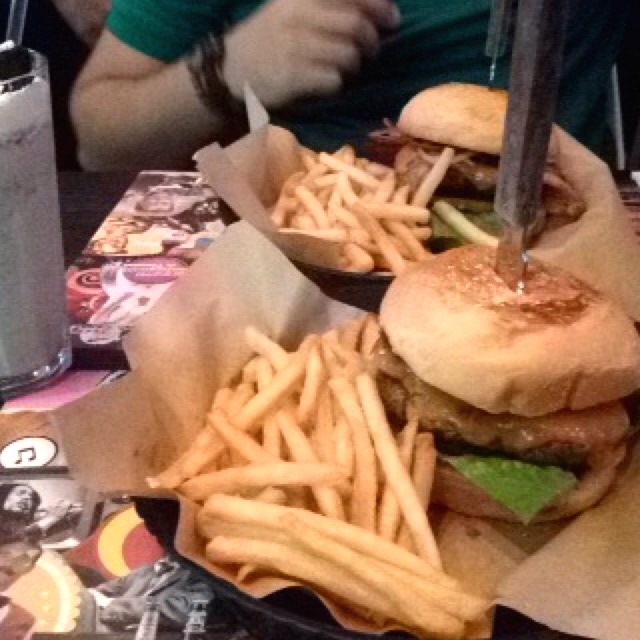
(128, 108)
(85, 17)
(132, 110)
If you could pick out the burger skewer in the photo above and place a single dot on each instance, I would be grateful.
(535, 71)
(500, 22)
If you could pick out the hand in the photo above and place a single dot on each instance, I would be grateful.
(295, 48)
(61, 509)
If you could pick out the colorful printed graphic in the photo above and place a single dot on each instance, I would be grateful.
(161, 225)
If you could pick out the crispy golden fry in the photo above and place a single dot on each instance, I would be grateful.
(415, 249)
(344, 216)
(370, 335)
(314, 377)
(393, 211)
(239, 441)
(263, 371)
(359, 176)
(350, 332)
(358, 259)
(381, 238)
(313, 174)
(324, 431)
(300, 221)
(395, 473)
(240, 510)
(344, 455)
(301, 450)
(346, 153)
(349, 360)
(345, 189)
(417, 612)
(401, 196)
(386, 189)
(206, 448)
(291, 528)
(365, 484)
(266, 347)
(222, 397)
(262, 403)
(272, 495)
(300, 565)
(309, 159)
(329, 358)
(249, 371)
(313, 207)
(425, 190)
(283, 474)
(389, 512)
(240, 396)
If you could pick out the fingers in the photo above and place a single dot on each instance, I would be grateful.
(384, 13)
(340, 54)
(355, 28)
(293, 48)
(358, 22)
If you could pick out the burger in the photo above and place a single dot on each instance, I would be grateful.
(522, 392)
(470, 119)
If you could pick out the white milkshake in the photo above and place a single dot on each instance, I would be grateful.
(33, 317)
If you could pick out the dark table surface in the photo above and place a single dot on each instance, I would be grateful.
(86, 198)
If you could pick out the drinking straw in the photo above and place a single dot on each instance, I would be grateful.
(15, 26)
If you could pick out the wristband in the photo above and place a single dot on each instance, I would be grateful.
(205, 67)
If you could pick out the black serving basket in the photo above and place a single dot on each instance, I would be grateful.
(296, 613)
(362, 290)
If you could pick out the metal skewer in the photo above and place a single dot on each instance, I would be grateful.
(500, 22)
(535, 72)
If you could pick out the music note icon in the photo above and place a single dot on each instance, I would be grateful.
(32, 456)
(32, 451)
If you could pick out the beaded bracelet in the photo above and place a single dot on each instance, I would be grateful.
(205, 67)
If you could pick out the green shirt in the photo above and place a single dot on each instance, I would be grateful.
(439, 41)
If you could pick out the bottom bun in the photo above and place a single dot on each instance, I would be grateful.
(452, 490)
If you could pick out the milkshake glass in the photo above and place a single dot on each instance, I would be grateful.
(34, 341)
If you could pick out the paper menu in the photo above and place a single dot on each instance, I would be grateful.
(161, 224)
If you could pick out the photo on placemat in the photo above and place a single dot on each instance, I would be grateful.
(46, 507)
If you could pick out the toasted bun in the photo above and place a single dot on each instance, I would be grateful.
(462, 330)
(460, 115)
(453, 490)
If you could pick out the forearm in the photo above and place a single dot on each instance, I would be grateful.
(123, 122)
(85, 17)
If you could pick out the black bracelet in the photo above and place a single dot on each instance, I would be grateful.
(205, 67)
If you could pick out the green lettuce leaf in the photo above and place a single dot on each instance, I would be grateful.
(522, 487)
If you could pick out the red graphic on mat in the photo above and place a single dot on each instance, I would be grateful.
(85, 294)
(121, 544)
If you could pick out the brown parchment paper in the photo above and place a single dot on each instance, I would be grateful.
(192, 343)
(600, 247)
(586, 579)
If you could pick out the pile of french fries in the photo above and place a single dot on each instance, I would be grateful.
(298, 474)
(379, 225)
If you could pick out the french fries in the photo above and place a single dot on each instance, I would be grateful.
(297, 474)
(321, 202)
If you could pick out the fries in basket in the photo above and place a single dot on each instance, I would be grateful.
(357, 204)
(298, 474)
